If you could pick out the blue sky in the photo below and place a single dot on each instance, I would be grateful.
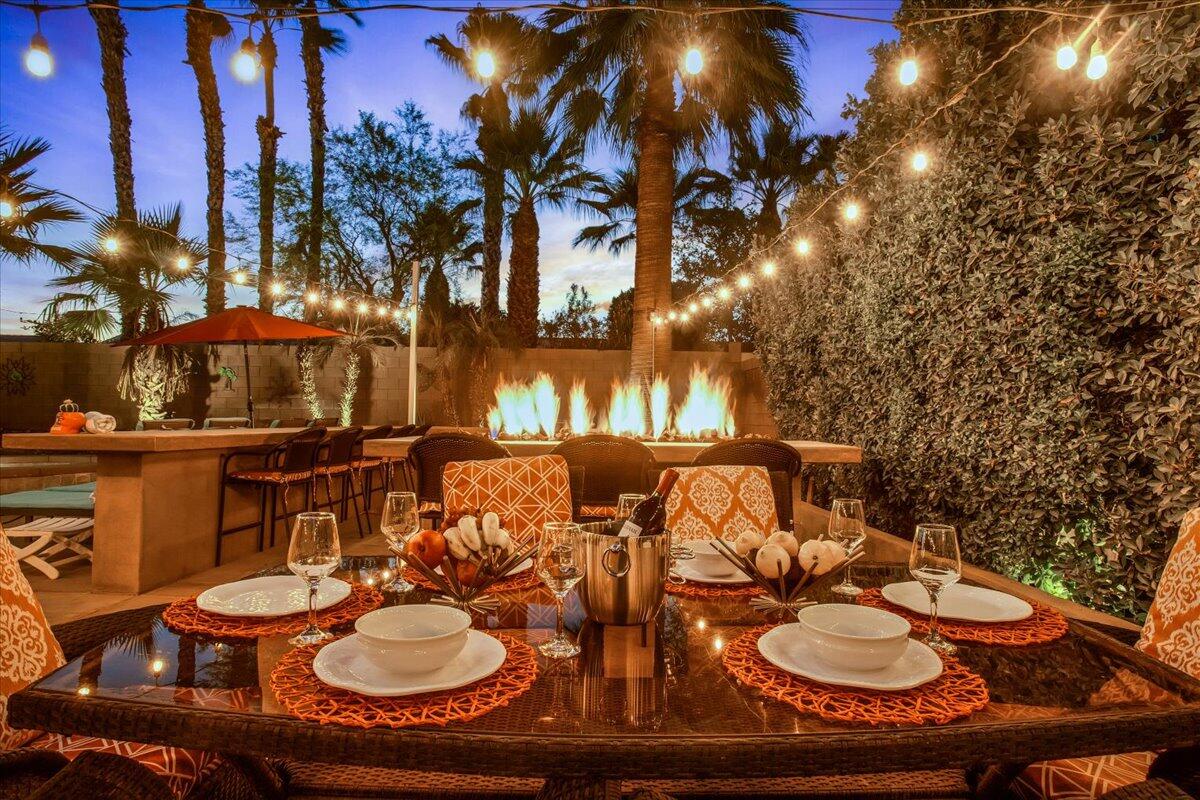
(387, 64)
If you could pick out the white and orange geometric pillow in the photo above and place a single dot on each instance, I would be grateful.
(1081, 778)
(721, 502)
(526, 492)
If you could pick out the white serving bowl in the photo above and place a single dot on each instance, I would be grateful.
(707, 559)
(858, 638)
(412, 639)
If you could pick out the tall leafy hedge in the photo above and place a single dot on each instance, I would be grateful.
(1014, 335)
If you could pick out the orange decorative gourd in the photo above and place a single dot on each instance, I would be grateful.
(69, 419)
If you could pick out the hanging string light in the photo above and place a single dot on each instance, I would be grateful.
(672, 316)
(1066, 57)
(39, 62)
(339, 304)
(685, 317)
(381, 311)
(768, 268)
(276, 288)
(693, 307)
(907, 73)
(312, 297)
(110, 244)
(240, 277)
(803, 247)
(246, 62)
(182, 264)
(485, 64)
(397, 314)
(723, 293)
(363, 307)
(8, 209)
(851, 211)
(706, 301)
(744, 281)
(693, 61)
(920, 161)
(1097, 66)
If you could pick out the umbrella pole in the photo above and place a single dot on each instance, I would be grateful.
(249, 393)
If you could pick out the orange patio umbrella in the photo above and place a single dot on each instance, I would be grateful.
(241, 325)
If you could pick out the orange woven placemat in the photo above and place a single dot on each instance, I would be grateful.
(513, 583)
(957, 692)
(185, 616)
(297, 687)
(702, 591)
(1045, 625)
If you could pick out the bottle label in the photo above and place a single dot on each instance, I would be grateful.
(630, 528)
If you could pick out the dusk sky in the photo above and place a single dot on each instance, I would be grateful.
(387, 64)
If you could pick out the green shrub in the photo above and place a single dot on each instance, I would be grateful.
(1014, 335)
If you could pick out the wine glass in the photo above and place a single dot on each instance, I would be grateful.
(560, 565)
(314, 553)
(626, 502)
(399, 521)
(847, 527)
(935, 562)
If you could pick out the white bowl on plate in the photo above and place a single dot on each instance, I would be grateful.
(412, 639)
(707, 559)
(853, 637)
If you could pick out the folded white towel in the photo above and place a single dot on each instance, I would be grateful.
(96, 422)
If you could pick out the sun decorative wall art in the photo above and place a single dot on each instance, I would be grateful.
(16, 375)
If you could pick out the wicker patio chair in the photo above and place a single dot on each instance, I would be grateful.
(612, 466)
(289, 463)
(367, 467)
(288, 422)
(323, 422)
(175, 424)
(780, 459)
(429, 455)
(335, 461)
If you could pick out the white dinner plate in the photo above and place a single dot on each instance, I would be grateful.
(520, 567)
(343, 664)
(689, 573)
(271, 596)
(958, 601)
(787, 648)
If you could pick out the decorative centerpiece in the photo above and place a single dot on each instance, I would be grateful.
(465, 558)
(784, 567)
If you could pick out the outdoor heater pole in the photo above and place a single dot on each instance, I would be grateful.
(412, 344)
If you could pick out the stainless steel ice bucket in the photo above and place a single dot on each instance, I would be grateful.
(625, 580)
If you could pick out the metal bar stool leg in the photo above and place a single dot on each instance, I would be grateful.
(366, 514)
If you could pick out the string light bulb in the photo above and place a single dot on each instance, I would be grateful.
(693, 307)
(8, 209)
(685, 317)
(672, 316)
(693, 61)
(182, 264)
(276, 288)
(803, 247)
(157, 666)
(312, 297)
(38, 60)
(381, 311)
(338, 304)
(110, 244)
(706, 301)
(240, 277)
(246, 62)
(1066, 57)
(768, 268)
(723, 293)
(908, 72)
(920, 161)
(743, 281)
(396, 314)
(485, 64)
(363, 307)
(1097, 66)
(851, 211)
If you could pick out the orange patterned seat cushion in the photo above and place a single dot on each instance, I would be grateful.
(721, 502)
(1081, 778)
(1172, 630)
(180, 769)
(526, 492)
(28, 649)
(593, 510)
(269, 476)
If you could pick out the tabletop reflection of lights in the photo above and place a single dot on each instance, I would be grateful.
(701, 624)
(157, 666)
(83, 691)
(718, 643)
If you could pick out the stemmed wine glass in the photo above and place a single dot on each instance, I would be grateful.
(399, 521)
(847, 527)
(936, 563)
(314, 553)
(626, 502)
(560, 565)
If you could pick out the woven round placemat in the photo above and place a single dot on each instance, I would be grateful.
(711, 591)
(297, 687)
(1045, 625)
(513, 583)
(186, 617)
(957, 692)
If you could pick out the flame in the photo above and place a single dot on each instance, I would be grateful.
(545, 404)
(706, 411)
(581, 411)
(495, 421)
(626, 411)
(518, 413)
(660, 407)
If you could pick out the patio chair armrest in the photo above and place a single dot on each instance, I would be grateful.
(1123, 635)
(1151, 789)
(25, 769)
(1180, 766)
(104, 776)
(81, 635)
(580, 789)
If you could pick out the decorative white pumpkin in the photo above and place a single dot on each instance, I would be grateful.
(469, 529)
(772, 561)
(785, 540)
(809, 553)
(491, 528)
(455, 544)
(834, 551)
(747, 541)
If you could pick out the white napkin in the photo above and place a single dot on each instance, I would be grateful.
(96, 422)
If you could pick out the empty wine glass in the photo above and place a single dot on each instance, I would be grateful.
(626, 502)
(847, 527)
(314, 553)
(399, 522)
(935, 562)
(560, 565)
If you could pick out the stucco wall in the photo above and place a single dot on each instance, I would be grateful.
(88, 375)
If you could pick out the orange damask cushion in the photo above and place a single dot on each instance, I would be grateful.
(1172, 630)
(28, 649)
(526, 492)
(721, 502)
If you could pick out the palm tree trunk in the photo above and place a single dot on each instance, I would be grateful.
(268, 153)
(199, 54)
(769, 224)
(523, 274)
(112, 35)
(652, 257)
(314, 84)
(349, 387)
(493, 225)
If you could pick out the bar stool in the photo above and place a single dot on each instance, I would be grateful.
(367, 466)
(173, 424)
(286, 464)
(335, 460)
(211, 423)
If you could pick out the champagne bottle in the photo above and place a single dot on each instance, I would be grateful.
(650, 515)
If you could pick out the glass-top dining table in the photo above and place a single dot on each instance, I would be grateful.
(645, 702)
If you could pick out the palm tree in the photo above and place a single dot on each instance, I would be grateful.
(268, 154)
(770, 167)
(619, 79)
(542, 167)
(112, 35)
(513, 44)
(102, 290)
(443, 239)
(203, 29)
(27, 210)
(614, 199)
